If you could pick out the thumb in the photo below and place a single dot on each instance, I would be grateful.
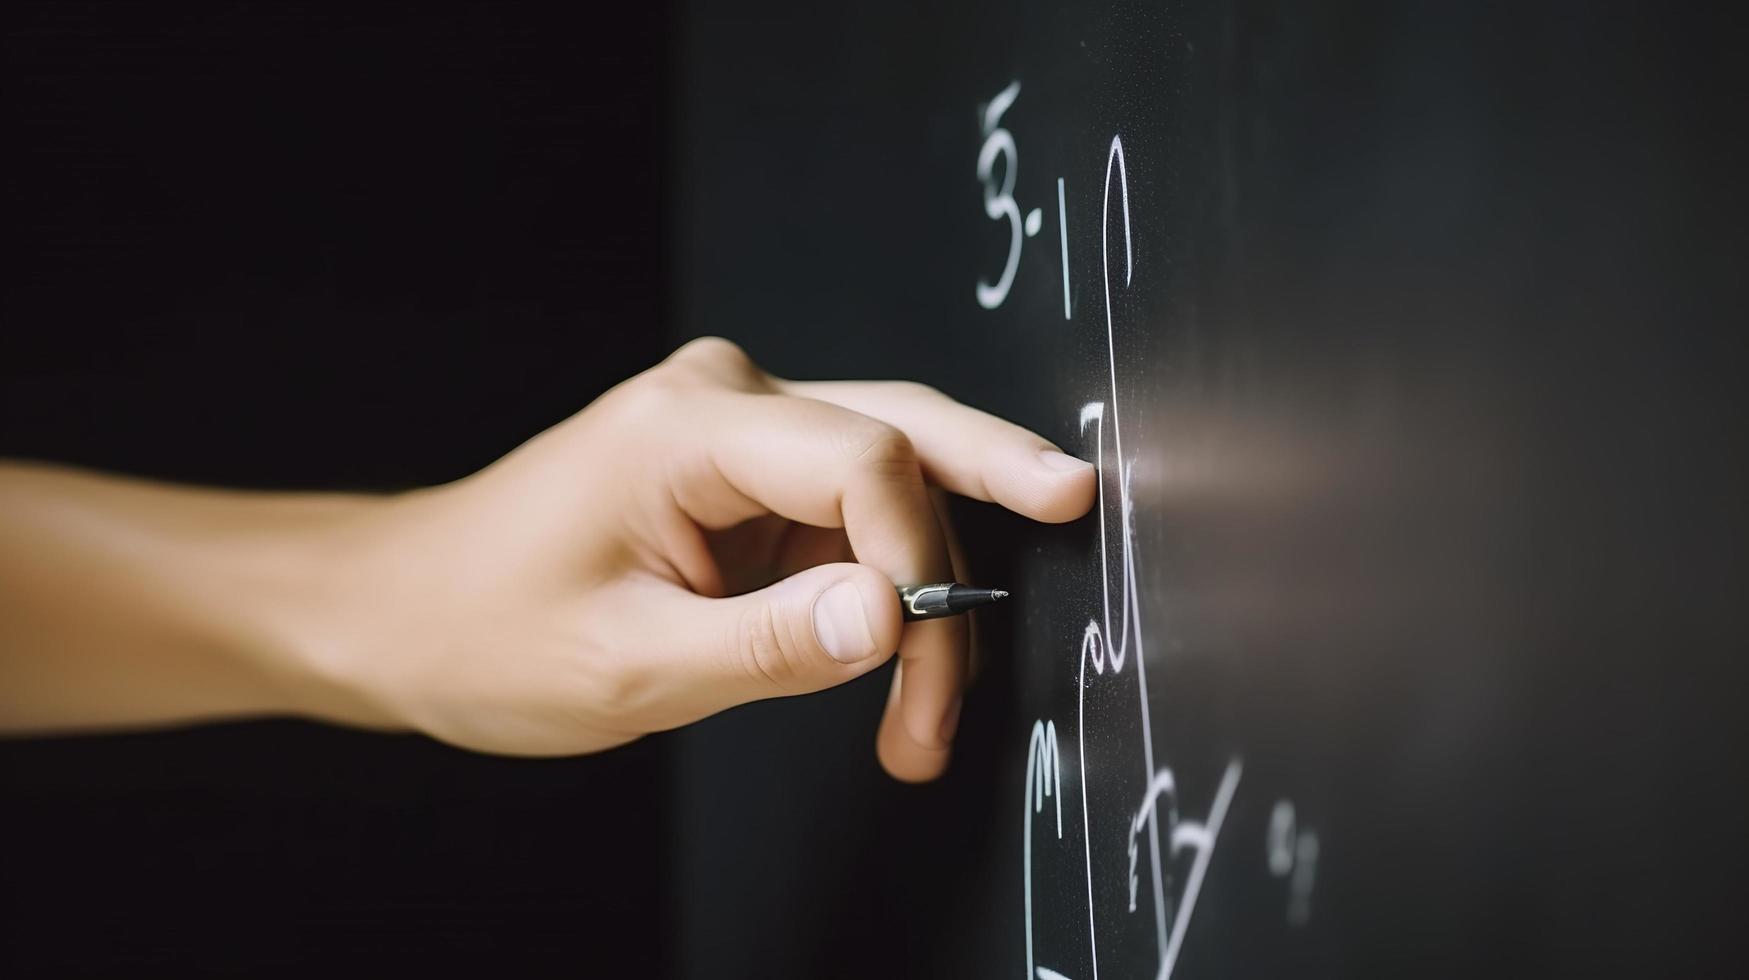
(814, 630)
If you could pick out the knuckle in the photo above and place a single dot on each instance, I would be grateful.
(714, 354)
(766, 650)
(878, 445)
(714, 361)
(715, 350)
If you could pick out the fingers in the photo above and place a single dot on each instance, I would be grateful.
(902, 754)
(859, 455)
(828, 466)
(969, 452)
(957, 556)
(922, 715)
(816, 629)
(959, 448)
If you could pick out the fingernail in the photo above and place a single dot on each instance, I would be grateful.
(841, 626)
(1062, 462)
(950, 722)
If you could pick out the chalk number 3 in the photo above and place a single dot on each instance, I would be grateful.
(999, 199)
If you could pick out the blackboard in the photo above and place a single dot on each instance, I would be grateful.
(1406, 638)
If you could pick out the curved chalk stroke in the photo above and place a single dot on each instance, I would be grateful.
(1098, 648)
(1129, 608)
(1108, 641)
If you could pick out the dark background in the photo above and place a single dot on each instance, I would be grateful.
(312, 246)
(1431, 371)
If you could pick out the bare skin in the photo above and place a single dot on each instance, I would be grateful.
(701, 536)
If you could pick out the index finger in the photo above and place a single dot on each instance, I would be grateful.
(972, 453)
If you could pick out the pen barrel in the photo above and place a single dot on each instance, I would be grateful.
(943, 599)
(926, 601)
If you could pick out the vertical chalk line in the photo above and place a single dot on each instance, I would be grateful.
(1063, 227)
(1115, 156)
(1086, 827)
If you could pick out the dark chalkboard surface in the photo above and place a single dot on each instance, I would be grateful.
(1409, 340)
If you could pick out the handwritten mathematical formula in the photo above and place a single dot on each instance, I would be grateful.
(1114, 638)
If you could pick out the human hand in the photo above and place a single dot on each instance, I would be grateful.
(701, 536)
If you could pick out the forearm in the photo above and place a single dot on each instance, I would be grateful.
(127, 603)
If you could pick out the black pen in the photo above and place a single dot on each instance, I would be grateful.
(944, 599)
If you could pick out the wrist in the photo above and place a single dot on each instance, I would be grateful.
(307, 607)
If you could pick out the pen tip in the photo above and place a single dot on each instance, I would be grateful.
(998, 594)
